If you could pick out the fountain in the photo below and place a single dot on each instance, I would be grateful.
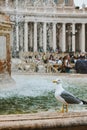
(35, 94)
(5, 52)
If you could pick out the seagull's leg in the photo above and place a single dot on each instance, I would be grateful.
(66, 108)
(62, 109)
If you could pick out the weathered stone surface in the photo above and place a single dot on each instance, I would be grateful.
(5, 28)
(45, 120)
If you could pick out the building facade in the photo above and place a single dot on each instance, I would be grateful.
(47, 25)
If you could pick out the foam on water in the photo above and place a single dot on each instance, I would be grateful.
(28, 86)
(36, 85)
(36, 93)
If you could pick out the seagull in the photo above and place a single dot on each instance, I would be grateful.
(65, 97)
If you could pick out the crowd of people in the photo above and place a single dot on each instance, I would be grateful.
(63, 63)
(69, 62)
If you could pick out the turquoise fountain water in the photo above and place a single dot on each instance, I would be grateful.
(35, 93)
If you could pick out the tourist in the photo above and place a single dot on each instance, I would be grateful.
(44, 58)
(81, 65)
(66, 64)
(60, 62)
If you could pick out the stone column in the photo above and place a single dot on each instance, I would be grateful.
(16, 3)
(54, 36)
(80, 40)
(11, 38)
(17, 28)
(70, 40)
(63, 37)
(6, 3)
(50, 38)
(17, 37)
(31, 42)
(83, 38)
(44, 37)
(40, 37)
(25, 36)
(73, 37)
(35, 36)
(21, 37)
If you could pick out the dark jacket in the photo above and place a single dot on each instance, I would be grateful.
(81, 66)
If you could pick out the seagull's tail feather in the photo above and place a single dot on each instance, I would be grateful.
(84, 102)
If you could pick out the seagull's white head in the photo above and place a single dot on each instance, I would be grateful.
(57, 81)
(59, 85)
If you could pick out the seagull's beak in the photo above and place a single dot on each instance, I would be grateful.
(54, 81)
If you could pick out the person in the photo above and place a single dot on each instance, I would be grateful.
(59, 62)
(81, 65)
(66, 64)
(44, 58)
(51, 57)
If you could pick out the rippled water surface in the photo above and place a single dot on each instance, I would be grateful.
(35, 93)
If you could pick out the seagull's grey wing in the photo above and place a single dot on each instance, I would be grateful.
(69, 98)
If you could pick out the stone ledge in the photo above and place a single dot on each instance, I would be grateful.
(44, 120)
